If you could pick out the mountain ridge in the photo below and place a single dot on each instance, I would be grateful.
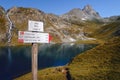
(60, 29)
(75, 28)
(87, 13)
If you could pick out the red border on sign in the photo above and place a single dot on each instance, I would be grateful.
(50, 38)
(21, 32)
(20, 40)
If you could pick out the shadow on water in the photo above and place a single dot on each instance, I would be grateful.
(16, 61)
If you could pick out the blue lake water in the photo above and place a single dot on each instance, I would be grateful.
(16, 61)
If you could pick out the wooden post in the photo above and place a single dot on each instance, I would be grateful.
(34, 61)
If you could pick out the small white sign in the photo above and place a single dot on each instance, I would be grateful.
(33, 37)
(35, 26)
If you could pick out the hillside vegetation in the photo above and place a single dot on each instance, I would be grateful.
(99, 63)
(108, 31)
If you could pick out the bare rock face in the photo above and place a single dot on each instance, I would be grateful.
(87, 13)
(2, 11)
(75, 13)
(3, 26)
(91, 13)
(20, 14)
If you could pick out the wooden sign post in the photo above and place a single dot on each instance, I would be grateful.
(35, 26)
(34, 38)
(34, 61)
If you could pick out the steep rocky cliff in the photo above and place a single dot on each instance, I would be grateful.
(3, 26)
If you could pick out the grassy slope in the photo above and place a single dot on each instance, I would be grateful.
(107, 31)
(100, 63)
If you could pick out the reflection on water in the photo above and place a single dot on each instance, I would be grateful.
(16, 61)
(9, 56)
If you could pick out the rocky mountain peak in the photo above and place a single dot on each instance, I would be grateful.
(75, 10)
(13, 9)
(87, 8)
(2, 10)
(87, 13)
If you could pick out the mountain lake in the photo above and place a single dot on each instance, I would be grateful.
(16, 61)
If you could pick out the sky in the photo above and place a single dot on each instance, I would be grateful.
(105, 8)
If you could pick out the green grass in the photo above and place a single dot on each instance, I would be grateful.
(107, 31)
(46, 74)
(99, 63)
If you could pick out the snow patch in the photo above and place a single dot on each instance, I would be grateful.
(71, 39)
(83, 19)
